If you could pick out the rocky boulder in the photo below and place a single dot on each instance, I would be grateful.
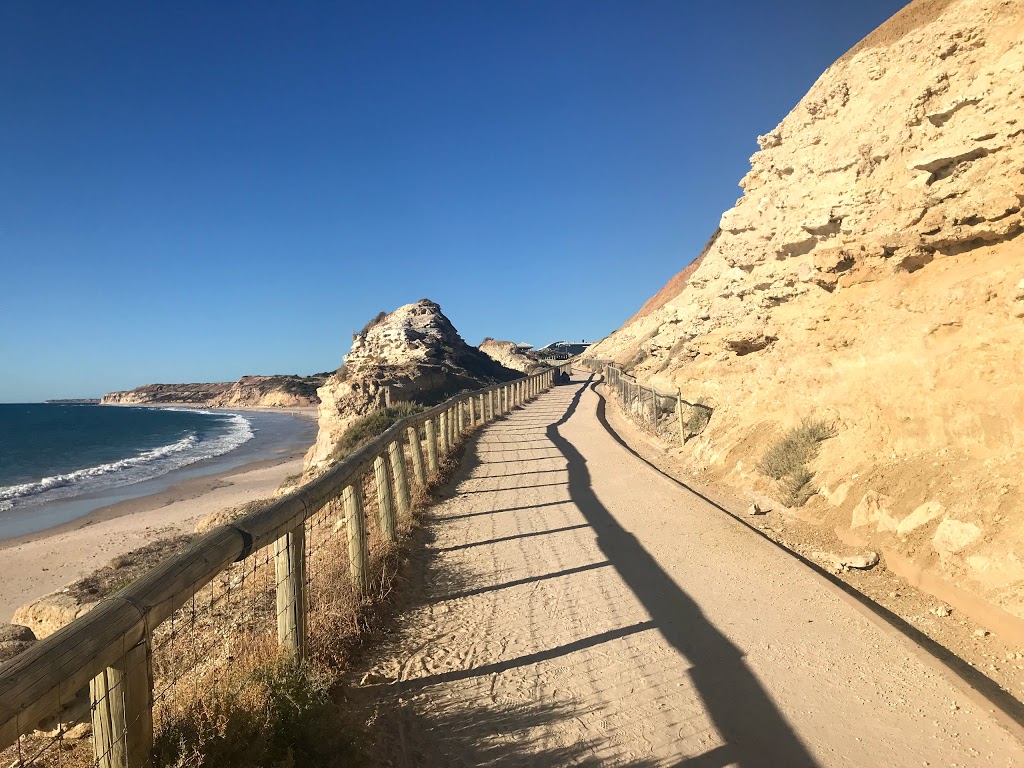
(14, 638)
(507, 354)
(412, 354)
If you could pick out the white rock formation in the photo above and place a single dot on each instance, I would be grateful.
(872, 274)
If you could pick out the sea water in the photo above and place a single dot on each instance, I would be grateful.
(61, 461)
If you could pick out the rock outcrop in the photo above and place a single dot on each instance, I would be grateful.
(413, 354)
(872, 275)
(249, 391)
(507, 354)
(14, 638)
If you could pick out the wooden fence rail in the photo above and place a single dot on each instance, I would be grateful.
(110, 649)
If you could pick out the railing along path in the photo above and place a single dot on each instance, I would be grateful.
(663, 414)
(184, 624)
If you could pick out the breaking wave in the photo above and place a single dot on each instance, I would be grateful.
(135, 469)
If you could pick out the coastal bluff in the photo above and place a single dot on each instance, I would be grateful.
(872, 277)
(249, 391)
(412, 354)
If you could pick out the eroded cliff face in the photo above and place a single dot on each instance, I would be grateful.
(249, 391)
(506, 353)
(412, 354)
(872, 275)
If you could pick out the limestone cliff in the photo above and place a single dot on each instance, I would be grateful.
(507, 354)
(414, 354)
(872, 275)
(261, 391)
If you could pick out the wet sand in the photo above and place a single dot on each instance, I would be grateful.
(39, 563)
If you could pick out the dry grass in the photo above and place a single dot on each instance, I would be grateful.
(224, 693)
(786, 461)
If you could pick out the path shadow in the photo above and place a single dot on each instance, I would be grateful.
(977, 681)
(753, 729)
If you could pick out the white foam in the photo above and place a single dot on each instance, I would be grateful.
(147, 465)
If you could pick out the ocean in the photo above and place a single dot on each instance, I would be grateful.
(61, 461)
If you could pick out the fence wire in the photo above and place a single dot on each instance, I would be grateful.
(666, 415)
(185, 680)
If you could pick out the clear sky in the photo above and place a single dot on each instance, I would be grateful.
(196, 191)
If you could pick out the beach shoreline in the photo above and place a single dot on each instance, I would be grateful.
(41, 562)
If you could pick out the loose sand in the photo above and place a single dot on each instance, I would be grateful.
(41, 563)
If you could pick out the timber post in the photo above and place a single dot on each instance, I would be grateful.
(396, 462)
(122, 711)
(358, 552)
(679, 413)
(431, 445)
(472, 411)
(290, 576)
(442, 433)
(385, 503)
(416, 449)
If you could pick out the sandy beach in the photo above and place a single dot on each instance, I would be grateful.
(37, 564)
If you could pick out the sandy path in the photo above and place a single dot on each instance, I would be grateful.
(48, 561)
(580, 608)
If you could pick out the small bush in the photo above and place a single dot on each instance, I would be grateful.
(786, 461)
(277, 714)
(700, 415)
(372, 425)
(375, 320)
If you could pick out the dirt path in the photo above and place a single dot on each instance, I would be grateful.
(582, 609)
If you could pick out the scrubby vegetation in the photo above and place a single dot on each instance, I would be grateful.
(786, 461)
(700, 415)
(367, 427)
(276, 714)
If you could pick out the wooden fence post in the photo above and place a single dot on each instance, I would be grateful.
(122, 711)
(358, 551)
(385, 503)
(679, 412)
(490, 405)
(416, 449)
(472, 411)
(396, 462)
(442, 432)
(453, 420)
(431, 445)
(462, 418)
(290, 576)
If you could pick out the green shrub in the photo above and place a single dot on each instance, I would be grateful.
(366, 428)
(786, 461)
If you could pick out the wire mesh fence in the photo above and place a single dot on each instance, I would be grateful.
(163, 667)
(665, 415)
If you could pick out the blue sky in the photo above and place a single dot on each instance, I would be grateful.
(197, 191)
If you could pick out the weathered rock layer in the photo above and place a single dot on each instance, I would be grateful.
(506, 353)
(872, 275)
(249, 391)
(412, 354)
